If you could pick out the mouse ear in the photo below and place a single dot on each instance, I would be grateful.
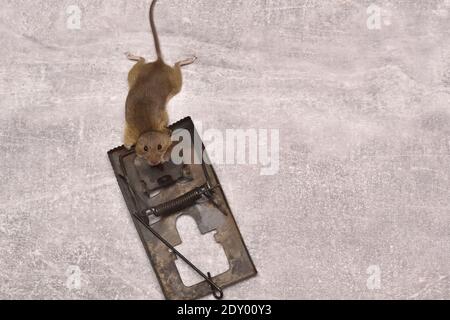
(169, 150)
(168, 131)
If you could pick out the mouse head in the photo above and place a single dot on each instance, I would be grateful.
(153, 146)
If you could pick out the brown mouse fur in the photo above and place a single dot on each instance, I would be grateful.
(151, 86)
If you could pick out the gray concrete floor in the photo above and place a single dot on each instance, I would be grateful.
(360, 207)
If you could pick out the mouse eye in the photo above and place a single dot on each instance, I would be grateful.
(159, 147)
(145, 148)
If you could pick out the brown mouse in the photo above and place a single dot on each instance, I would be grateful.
(151, 86)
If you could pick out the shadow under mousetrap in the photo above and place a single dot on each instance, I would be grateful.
(157, 196)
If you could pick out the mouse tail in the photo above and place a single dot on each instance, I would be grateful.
(154, 32)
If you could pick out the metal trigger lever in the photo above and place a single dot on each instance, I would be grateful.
(216, 290)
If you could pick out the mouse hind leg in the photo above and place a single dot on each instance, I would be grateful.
(177, 78)
(186, 62)
(133, 57)
(136, 70)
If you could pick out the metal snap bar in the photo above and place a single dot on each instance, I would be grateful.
(216, 290)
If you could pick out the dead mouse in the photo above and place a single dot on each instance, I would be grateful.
(151, 86)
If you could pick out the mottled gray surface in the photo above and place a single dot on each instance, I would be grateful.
(364, 119)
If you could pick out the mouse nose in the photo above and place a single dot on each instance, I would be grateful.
(153, 163)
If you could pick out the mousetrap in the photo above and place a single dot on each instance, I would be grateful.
(157, 196)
